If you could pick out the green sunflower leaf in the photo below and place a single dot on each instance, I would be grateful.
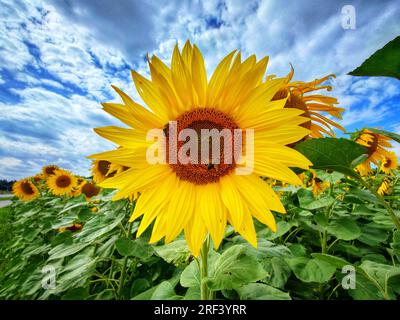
(311, 270)
(260, 291)
(235, 268)
(344, 228)
(385, 62)
(340, 155)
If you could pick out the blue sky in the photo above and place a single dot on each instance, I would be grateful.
(58, 59)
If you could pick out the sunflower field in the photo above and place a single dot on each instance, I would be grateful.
(318, 217)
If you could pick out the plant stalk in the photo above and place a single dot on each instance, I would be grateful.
(125, 262)
(205, 293)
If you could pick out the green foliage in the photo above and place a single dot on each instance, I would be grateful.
(384, 62)
(340, 155)
(343, 226)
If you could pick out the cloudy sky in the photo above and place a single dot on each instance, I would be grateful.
(58, 59)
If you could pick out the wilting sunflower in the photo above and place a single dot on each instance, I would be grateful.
(389, 162)
(201, 198)
(25, 190)
(61, 183)
(375, 144)
(49, 170)
(72, 228)
(311, 104)
(90, 189)
(103, 169)
(384, 188)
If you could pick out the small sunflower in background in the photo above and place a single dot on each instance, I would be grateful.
(25, 190)
(376, 145)
(103, 169)
(310, 179)
(384, 188)
(318, 185)
(298, 97)
(62, 183)
(389, 162)
(49, 170)
(90, 190)
(39, 178)
(200, 199)
(80, 181)
(40, 181)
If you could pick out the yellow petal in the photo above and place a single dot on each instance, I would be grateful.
(218, 79)
(129, 138)
(150, 95)
(231, 199)
(180, 209)
(212, 211)
(199, 75)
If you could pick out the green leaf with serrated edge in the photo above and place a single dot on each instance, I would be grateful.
(176, 252)
(396, 243)
(380, 274)
(307, 200)
(134, 248)
(278, 270)
(235, 268)
(332, 153)
(372, 235)
(311, 270)
(384, 63)
(344, 228)
(190, 276)
(64, 250)
(260, 291)
(332, 260)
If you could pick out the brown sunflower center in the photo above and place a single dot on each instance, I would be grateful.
(50, 170)
(103, 166)
(387, 163)
(90, 190)
(210, 163)
(63, 181)
(26, 188)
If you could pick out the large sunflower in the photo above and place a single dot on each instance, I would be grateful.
(201, 198)
(311, 104)
(375, 144)
(25, 190)
(62, 182)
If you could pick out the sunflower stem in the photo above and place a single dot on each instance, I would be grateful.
(205, 293)
(124, 265)
(382, 200)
